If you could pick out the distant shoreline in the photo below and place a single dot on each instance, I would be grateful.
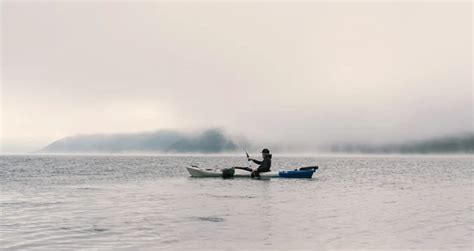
(276, 155)
(215, 142)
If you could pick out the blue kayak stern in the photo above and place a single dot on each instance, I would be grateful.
(297, 174)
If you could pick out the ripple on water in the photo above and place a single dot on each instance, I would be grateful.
(209, 219)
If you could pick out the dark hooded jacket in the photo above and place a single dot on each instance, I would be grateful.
(264, 166)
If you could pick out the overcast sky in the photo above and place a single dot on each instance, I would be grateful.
(296, 73)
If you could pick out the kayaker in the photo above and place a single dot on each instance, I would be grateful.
(264, 166)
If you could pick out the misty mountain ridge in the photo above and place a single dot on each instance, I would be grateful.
(460, 143)
(167, 141)
(216, 141)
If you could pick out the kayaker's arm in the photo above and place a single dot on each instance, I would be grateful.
(258, 162)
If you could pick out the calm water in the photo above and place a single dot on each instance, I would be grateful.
(149, 202)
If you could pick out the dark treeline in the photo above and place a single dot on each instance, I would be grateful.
(209, 141)
(215, 141)
(463, 143)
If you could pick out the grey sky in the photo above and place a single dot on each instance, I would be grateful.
(297, 73)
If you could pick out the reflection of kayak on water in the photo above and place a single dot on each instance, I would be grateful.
(237, 172)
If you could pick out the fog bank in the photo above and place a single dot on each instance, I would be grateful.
(290, 74)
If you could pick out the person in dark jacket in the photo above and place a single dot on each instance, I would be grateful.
(265, 165)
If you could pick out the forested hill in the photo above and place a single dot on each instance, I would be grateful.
(463, 143)
(168, 141)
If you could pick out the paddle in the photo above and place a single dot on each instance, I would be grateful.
(245, 168)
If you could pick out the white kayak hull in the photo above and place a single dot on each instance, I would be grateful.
(208, 173)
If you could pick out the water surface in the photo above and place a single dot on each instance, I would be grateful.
(149, 202)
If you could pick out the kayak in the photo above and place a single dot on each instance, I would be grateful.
(235, 172)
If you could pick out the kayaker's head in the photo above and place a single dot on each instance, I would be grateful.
(266, 153)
